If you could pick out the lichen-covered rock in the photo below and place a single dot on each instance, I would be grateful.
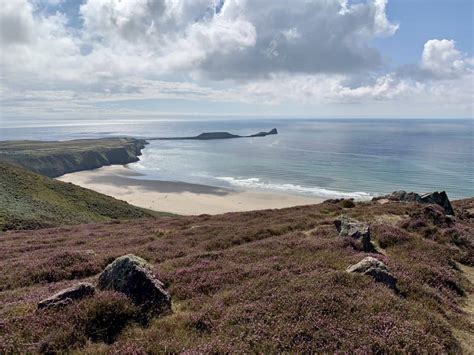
(376, 269)
(68, 295)
(348, 227)
(132, 276)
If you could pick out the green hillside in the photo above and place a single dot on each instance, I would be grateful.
(31, 201)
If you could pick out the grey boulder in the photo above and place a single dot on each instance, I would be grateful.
(131, 275)
(68, 295)
(404, 196)
(436, 198)
(348, 227)
(376, 269)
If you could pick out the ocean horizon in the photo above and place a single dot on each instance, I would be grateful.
(328, 158)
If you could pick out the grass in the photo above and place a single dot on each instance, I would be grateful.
(31, 201)
(264, 281)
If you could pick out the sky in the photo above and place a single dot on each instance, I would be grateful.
(101, 59)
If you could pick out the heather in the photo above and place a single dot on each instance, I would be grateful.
(262, 281)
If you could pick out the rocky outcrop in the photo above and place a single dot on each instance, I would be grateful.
(132, 276)
(264, 134)
(351, 228)
(376, 269)
(437, 198)
(68, 295)
(216, 135)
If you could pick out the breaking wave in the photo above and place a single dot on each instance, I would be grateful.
(256, 183)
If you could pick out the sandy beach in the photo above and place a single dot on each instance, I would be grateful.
(178, 197)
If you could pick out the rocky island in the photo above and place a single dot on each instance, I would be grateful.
(218, 135)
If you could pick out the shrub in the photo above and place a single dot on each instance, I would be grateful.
(103, 317)
(388, 236)
(348, 203)
(64, 266)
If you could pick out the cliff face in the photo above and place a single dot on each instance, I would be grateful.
(54, 159)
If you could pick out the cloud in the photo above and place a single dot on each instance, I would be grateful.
(441, 59)
(16, 23)
(306, 37)
(265, 52)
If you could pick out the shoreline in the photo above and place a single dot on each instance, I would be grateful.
(182, 198)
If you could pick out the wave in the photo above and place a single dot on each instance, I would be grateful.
(256, 183)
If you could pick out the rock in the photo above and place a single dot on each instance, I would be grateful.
(376, 269)
(348, 227)
(404, 196)
(132, 276)
(68, 295)
(436, 215)
(439, 198)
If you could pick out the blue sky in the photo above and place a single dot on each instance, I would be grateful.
(97, 59)
(421, 20)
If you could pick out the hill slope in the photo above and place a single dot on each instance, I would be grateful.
(265, 281)
(56, 158)
(30, 201)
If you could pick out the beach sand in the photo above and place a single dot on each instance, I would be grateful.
(178, 197)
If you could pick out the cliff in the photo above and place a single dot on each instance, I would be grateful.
(57, 158)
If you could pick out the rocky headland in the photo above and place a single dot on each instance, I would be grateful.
(56, 158)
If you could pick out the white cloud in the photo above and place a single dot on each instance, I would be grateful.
(266, 52)
(443, 60)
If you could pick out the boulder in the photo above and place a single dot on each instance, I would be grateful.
(376, 269)
(132, 276)
(404, 196)
(348, 227)
(68, 295)
(438, 198)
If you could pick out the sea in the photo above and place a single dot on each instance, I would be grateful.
(328, 158)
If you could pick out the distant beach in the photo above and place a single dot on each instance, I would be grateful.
(179, 197)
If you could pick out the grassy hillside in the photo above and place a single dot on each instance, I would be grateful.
(30, 201)
(265, 281)
(55, 158)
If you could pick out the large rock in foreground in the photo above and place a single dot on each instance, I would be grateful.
(348, 227)
(132, 276)
(376, 269)
(68, 295)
